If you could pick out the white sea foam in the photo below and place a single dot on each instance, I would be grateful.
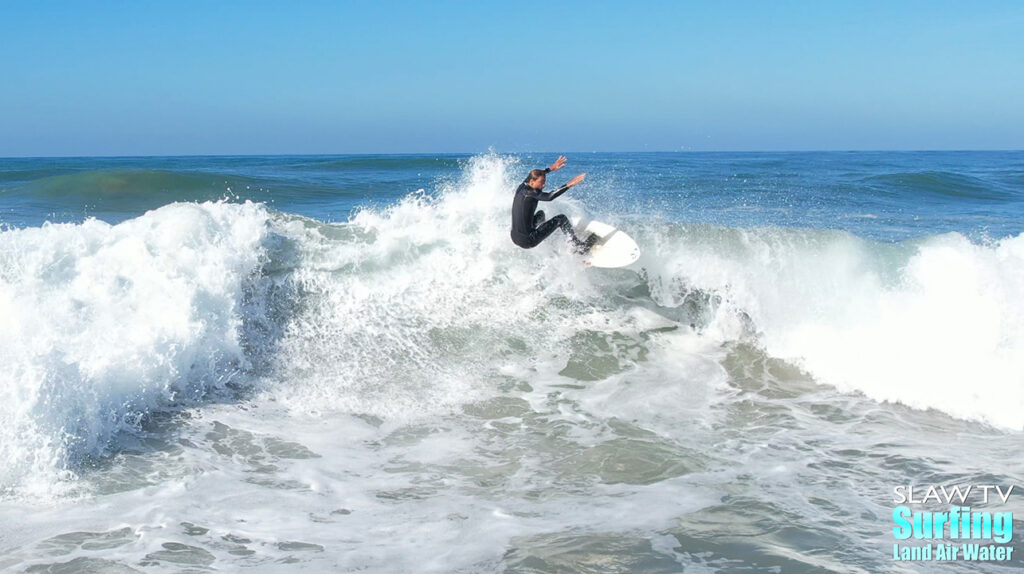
(931, 323)
(935, 323)
(102, 323)
(420, 307)
(405, 308)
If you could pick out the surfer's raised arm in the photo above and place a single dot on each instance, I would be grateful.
(541, 196)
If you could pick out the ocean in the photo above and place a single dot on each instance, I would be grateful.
(342, 363)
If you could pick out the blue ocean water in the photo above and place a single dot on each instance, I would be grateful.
(884, 195)
(341, 363)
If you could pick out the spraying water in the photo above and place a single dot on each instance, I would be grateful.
(410, 368)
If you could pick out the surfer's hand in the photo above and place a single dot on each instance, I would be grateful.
(558, 163)
(576, 180)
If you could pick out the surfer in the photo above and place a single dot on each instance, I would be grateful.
(528, 225)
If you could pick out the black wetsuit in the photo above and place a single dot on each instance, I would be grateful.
(528, 225)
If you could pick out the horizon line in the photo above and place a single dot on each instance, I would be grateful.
(516, 152)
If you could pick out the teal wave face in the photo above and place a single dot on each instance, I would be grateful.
(35, 190)
(942, 184)
(122, 184)
(117, 194)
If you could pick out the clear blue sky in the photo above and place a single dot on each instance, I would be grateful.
(162, 78)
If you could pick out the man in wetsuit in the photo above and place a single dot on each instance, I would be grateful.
(528, 225)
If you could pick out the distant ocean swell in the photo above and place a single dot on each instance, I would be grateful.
(943, 184)
(402, 311)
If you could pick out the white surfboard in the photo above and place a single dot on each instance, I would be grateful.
(613, 249)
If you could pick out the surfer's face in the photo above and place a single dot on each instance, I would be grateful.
(537, 183)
